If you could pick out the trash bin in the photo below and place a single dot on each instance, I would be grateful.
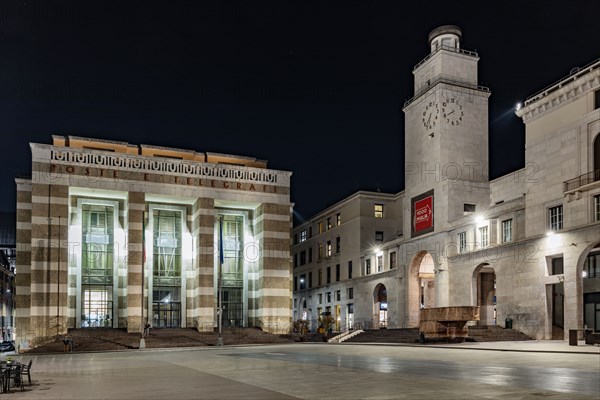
(508, 323)
(572, 337)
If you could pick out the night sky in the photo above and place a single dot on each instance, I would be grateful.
(315, 88)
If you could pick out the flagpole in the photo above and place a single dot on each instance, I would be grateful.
(220, 282)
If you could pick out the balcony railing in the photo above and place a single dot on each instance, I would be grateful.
(582, 180)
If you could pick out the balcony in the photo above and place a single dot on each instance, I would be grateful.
(581, 180)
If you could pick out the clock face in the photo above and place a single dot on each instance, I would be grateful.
(431, 115)
(452, 111)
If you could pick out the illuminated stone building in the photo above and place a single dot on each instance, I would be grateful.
(525, 246)
(112, 234)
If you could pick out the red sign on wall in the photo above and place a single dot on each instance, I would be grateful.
(423, 214)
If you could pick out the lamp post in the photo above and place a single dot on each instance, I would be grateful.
(220, 283)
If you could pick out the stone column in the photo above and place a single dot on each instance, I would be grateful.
(135, 213)
(23, 265)
(204, 225)
(274, 267)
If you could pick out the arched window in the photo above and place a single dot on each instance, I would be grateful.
(597, 154)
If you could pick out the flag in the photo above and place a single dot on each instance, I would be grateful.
(221, 255)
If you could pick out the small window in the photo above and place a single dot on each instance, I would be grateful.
(295, 283)
(349, 269)
(321, 227)
(310, 254)
(303, 257)
(469, 208)
(328, 277)
(329, 249)
(303, 236)
(379, 263)
(379, 236)
(320, 297)
(320, 255)
(350, 293)
(338, 295)
(295, 260)
(368, 266)
(555, 218)
(507, 231)
(462, 242)
(591, 266)
(296, 238)
(320, 280)
(329, 223)
(597, 207)
(338, 219)
(338, 244)
(392, 260)
(328, 297)
(337, 272)
(378, 210)
(309, 280)
(557, 266)
(310, 231)
(302, 282)
(484, 240)
(597, 101)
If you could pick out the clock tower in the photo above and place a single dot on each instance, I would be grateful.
(446, 137)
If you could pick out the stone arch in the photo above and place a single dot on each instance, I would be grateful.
(588, 299)
(380, 302)
(421, 288)
(483, 293)
(596, 155)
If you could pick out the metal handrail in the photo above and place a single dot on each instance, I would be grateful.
(449, 81)
(447, 48)
(562, 81)
(582, 180)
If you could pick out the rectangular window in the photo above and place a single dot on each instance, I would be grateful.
(320, 296)
(483, 237)
(328, 297)
(320, 253)
(591, 266)
(350, 293)
(378, 208)
(309, 280)
(468, 208)
(392, 260)
(379, 236)
(329, 249)
(368, 266)
(597, 205)
(321, 227)
(338, 295)
(328, 277)
(320, 278)
(338, 244)
(295, 238)
(303, 236)
(295, 283)
(329, 223)
(507, 231)
(555, 218)
(462, 242)
(338, 219)
(557, 266)
(302, 282)
(379, 263)
(303, 257)
(295, 260)
(310, 231)
(337, 272)
(597, 101)
(349, 269)
(310, 254)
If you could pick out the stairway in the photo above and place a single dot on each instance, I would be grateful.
(495, 333)
(408, 335)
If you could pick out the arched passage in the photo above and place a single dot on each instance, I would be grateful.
(589, 277)
(484, 293)
(380, 306)
(421, 286)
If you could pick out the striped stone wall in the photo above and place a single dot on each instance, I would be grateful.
(274, 267)
(204, 217)
(49, 229)
(23, 264)
(136, 205)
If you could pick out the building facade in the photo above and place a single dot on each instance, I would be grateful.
(524, 246)
(117, 235)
